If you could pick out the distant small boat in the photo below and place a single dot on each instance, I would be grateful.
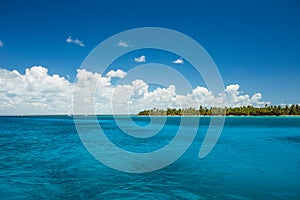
(69, 114)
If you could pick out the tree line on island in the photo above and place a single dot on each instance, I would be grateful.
(236, 111)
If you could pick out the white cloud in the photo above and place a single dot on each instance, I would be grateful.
(76, 41)
(235, 98)
(38, 92)
(1, 43)
(123, 44)
(35, 92)
(118, 73)
(140, 59)
(178, 61)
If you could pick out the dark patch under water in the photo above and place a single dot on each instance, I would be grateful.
(291, 139)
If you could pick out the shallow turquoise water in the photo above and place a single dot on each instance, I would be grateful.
(255, 158)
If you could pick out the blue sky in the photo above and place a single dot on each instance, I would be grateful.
(254, 43)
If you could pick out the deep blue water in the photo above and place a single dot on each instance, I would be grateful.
(255, 158)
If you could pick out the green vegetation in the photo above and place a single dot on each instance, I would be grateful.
(243, 110)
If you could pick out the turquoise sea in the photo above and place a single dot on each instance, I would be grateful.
(42, 157)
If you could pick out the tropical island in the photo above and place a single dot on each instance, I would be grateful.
(267, 110)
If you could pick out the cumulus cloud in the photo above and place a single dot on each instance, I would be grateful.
(178, 61)
(35, 92)
(76, 41)
(140, 59)
(38, 92)
(235, 98)
(118, 73)
(1, 43)
(123, 44)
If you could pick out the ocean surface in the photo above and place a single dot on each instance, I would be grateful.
(255, 158)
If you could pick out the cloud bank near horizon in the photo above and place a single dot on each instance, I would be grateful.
(37, 92)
